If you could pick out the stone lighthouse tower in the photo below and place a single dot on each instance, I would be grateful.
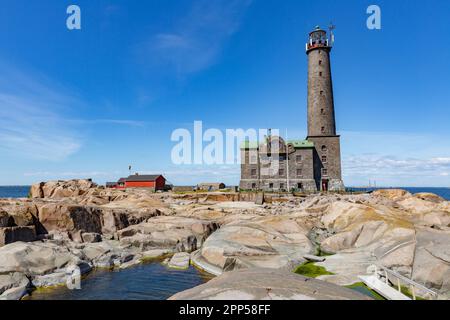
(321, 115)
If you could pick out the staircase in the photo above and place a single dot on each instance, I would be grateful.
(381, 279)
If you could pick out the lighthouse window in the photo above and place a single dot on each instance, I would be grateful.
(298, 158)
(324, 172)
(322, 111)
(321, 92)
(323, 129)
(324, 159)
(320, 62)
(324, 149)
(299, 172)
(320, 74)
(253, 173)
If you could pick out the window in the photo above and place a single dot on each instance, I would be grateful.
(323, 130)
(270, 185)
(265, 160)
(253, 186)
(299, 172)
(324, 149)
(322, 111)
(324, 159)
(281, 185)
(320, 73)
(300, 186)
(321, 92)
(298, 158)
(253, 172)
(320, 62)
(281, 172)
(324, 172)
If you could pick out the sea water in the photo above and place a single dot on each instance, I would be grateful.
(152, 281)
(14, 191)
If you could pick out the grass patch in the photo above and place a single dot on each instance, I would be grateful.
(362, 288)
(309, 269)
(407, 292)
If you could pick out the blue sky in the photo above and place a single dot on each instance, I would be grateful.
(87, 103)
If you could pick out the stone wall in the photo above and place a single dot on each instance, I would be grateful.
(285, 176)
(321, 117)
(330, 148)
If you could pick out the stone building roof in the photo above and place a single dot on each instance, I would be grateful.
(301, 144)
(297, 144)
(247, 145)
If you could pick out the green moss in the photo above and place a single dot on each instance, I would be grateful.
(309, 269)
(407, 292)
(160, 259)
(362, 288)
(321, 253)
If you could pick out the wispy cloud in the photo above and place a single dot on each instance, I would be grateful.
(395, 158)
(31, 124)
(182, 175)
(378, 165)
(118, 122)
(193, 175)
(38, 117)
(69, 174)
(389, 170)
(196, 41)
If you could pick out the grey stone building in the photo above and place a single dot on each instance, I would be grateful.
(307, 165)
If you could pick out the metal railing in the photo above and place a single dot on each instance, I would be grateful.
(414, 287)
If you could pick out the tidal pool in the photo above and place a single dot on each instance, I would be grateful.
(151, 281)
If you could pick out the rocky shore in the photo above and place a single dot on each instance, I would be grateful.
(67, 224)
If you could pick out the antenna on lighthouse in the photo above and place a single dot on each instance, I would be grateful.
(331, 28)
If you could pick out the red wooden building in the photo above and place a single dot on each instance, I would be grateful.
(155, 182)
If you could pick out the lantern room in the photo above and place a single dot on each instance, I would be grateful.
(318, 39)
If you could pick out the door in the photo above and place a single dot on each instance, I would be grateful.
(325, 185)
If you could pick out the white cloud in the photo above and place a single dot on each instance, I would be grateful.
(397, 171)
(31, 124)
(196, 41)
(395, 158)
(68, 174)
(441, 161)
(34, 117)
(180, 175)
(130, 123)
(193, 175)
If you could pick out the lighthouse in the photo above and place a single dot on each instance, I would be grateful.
(309, 165)
(321, 113)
